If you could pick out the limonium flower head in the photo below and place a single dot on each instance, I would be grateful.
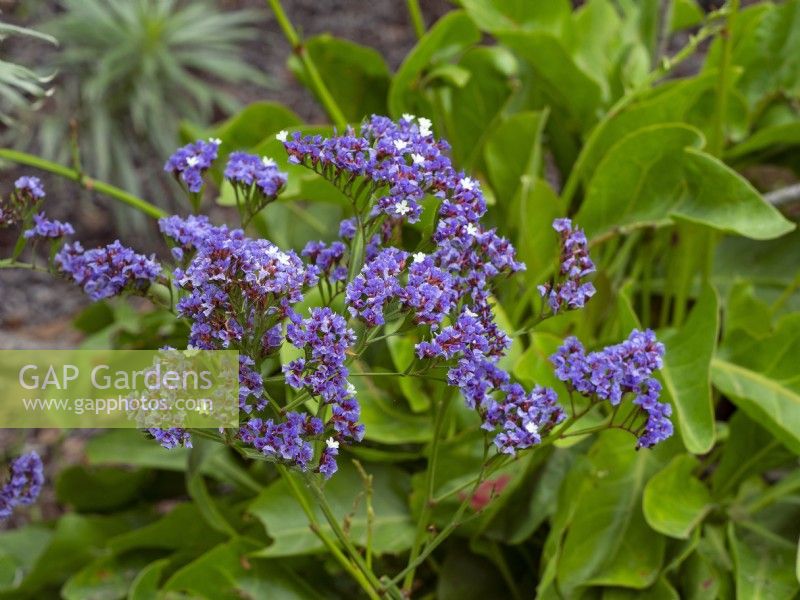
(189, 163)
(30, 188)
(570, 291)
(105, 272)
(376, 284)
(187, 232)
(611, 373)
(248, 171)
(287, 441)
(24, 484)
(173, 437)
(48, 228)
(327, 258)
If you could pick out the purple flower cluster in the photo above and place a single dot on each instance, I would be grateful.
(189, 163)
(570, 291)
(327, 258)
(30, 188)
(287, 440)
(326, 339)
(613, 372)
(47, 228)
(105, 272)
(24, 484)
(249, 172)
(28, 192)
(376, 285)
(236, 285)
(172, 437)
(187, 232)
(429, 293)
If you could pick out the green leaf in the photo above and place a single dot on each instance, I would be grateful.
(402, 350)
(288, 527)
(675, 501)
(557, 75)
(231, 572)
(252, 125)
(770, 139)
(686, 372)
(749, 450)
(761, 377)
(356, 76)
(606, 539)
(19, 551)
(145, 585)
(513, 153)
(474, 106)
(450, 36)
(660, 590)
(670, 178)
(199, 492)
(747, 313)
(764, 565)
(107, 578)
(496, 15)
(99, 489)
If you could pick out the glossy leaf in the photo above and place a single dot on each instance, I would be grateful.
(607, 541)
(760, 376)
(675, 501)
(765, 566)
(450, 36)
(499, 15)
(686, 373)
(670, 178)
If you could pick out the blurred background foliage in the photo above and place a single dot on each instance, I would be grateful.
(669, 130)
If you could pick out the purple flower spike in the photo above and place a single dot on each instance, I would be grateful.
(24, 485)
(46, 228)
(189, 163)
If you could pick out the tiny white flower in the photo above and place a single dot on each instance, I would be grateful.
(469, 313)
(408, 117)
(400, 144)
(419, 257)
(402, 208)
(215, 141)
(531, 427)
(425, 126)
(351, 389)
(332, 443)
(282, 135)
(284, 259)
(193, 161)
(467, 183)
(471, 229)
(417, 158)
(267, 161)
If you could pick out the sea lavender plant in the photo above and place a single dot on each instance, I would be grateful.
(24, 483)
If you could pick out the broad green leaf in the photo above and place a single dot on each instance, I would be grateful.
(106, 578)
(402, 350)
(145, 585)
(761, 377)
(182, 527)
(556, 74)
(449, 37)
(685, 14)
(747, 313)
(765, 566)
(512, 153)
(288, 527)
(686, 377)
(356, 76)
(497, 15)
(660, 590)
(766, 44)
(606, 539)
(198, 489)
(19, 551)
(675, 501)
(386, 420)
(231, 571)
(466, 576)
(769, 140)
(749, 450)
(657, 174)
(100, 489)
(474, 106)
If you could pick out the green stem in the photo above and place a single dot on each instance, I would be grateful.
(417, 21)
(430, 482)
(106, 189)
(314, 78)
(324, 538)
(716, 138)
